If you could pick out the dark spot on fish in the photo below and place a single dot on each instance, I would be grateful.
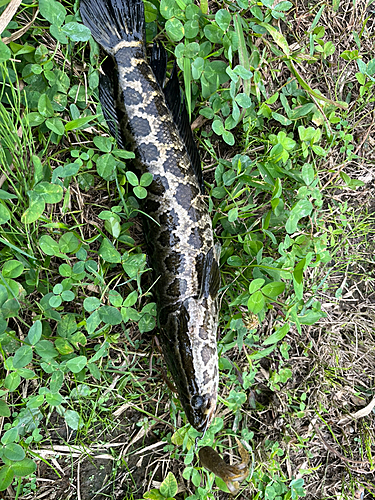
(206, 227)
(194, 239)
(140, 126)
(173, 261)
(152, 206)
(169, 219)
(146, 71)
(203, 334)
(168, 238)
(131, 96)
(207, 353)
(206, 377)
(185, 193)
(159, 186)
(197, 402)
(162, 136)
(177, 287)
(148, 152)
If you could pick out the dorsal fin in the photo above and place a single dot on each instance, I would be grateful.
(180, 116)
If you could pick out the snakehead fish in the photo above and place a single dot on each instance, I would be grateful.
(151, 118)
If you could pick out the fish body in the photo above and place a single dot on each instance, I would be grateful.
(152, 119)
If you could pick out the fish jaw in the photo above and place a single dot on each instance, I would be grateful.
(189, 344)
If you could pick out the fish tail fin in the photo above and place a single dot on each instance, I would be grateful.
(114, 21)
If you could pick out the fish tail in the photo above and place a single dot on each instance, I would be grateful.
(114, 23)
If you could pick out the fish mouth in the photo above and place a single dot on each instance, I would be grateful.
(202, 417)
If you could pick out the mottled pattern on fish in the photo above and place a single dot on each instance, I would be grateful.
(179, 239)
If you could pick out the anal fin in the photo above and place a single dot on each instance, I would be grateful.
(211, 275)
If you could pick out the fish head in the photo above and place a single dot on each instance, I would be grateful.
(189, 344)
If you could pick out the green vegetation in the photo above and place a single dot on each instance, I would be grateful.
(76, 304)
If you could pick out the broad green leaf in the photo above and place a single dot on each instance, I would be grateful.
(80, 123)
(154, 494)
(169, 487)
(278, 38)
(256, 284)
(92, 322)
(167, 8)
(72, 418)
(67, 326)
(54, 12)
(6, 473)
(191, 28)
(63, 346)
(4, 409)
(68, 243)
(14, 452)
(151, 12)
(12, 269)
(91, 303)
(44, 106)
(10, 308)
(51, 193)
(24, 467)
(106, 166)
(77, 364)
(4, 214)
(12, 381)
(48, 245)
(46, 350)
(110, 315)
(146, 323)
(3, 294)
(56, 381)
(108, 252)
(223, 19)
(132, 178)
(228, 137)
(55, 125)
(175, 29)
(5, 54)
(35, 210)
(307, 173)
(243, 100)
(140, 192)
(23, 356)
(277, 336)
(213, 33)
(9, 436)
(146, 179)
(103, 143)
(273, 289)
(256, 302)
(301, 209)
(76, 32)
(54, 399)
(218, 127)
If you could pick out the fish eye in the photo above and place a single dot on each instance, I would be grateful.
(197, 402)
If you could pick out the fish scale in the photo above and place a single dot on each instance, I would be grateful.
(178, 230)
